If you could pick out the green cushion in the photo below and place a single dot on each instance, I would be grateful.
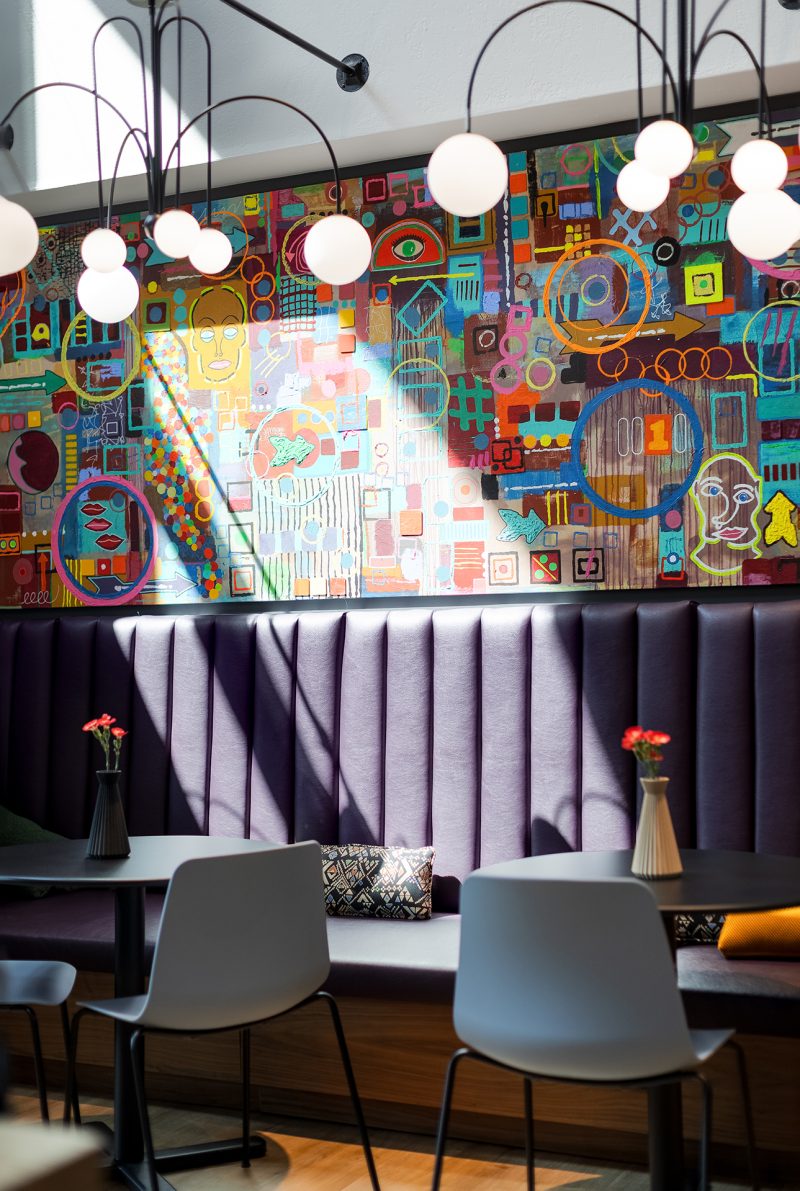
(16, 830)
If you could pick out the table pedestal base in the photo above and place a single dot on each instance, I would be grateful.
(209, 1153)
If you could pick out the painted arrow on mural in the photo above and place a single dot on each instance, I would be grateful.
(177, 586)
(51, 382)
(395, 280)
(592, 331)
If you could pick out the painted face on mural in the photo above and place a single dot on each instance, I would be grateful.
(218, 333)
(727, 495)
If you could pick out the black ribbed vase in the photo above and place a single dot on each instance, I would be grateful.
(108, 838)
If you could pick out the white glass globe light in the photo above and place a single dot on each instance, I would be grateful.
(640, 190)
(664, 147)
(176, 232)
(108, 297)
(759, 165)
(337, 249)
(19, 237)
(467, 174)
(103, 250)
(211, 252)
(763, 224)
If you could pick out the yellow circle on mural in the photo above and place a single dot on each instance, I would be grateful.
(80, 318)
(428, 364)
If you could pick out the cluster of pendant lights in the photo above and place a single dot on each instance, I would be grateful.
(468, 175)
(337, 249)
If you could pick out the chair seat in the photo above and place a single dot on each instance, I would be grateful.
(128, 1009)
(707, 1042)
(381, 957)
(35, 982)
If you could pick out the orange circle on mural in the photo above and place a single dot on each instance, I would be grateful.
(574, 343)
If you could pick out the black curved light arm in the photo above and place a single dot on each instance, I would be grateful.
(266, 99)
(765, 112)
(7, 133)
(640, 30)
(140, 46)
(135, 133)
(712, 20)
(180, 20)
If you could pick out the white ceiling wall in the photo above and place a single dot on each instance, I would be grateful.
(559, 68)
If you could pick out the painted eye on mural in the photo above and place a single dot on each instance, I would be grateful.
(230, 332)
(744, 496)
(207, 335)
(408, 248)
(712, 490)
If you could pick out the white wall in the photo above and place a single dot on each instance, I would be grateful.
(559, 68)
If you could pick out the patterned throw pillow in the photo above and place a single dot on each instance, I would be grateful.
(367, 881)
(698, 927)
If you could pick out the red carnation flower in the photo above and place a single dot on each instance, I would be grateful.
(118, 733)
(106, 720)
(632, 736)
(657, 738)
(92, 724)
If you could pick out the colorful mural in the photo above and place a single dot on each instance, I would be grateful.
(560, 393)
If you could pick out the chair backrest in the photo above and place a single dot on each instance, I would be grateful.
(242, 938)
(572, 979)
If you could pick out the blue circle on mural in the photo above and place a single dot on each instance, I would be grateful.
(677, 493)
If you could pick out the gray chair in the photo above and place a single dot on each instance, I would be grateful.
(25, 983)
(242, 939)
(574, 981)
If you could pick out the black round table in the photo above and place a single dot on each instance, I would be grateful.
(153, 860)
(711, 880)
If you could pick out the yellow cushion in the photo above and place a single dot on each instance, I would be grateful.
(769, 934)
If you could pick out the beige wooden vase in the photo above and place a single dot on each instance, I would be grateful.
(656, 853)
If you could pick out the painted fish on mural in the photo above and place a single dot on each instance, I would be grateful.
(517, 526)
(289, 450)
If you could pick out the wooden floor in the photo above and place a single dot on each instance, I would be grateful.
(305, 1156)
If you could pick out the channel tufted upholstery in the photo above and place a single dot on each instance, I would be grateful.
(490, 732)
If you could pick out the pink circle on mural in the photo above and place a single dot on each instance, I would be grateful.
(64, 575)
(399, 207)
(142, 251)
(363, 380)
(328, 388)
(672, 518)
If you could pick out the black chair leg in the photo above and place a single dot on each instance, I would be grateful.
(529, 1157)
(71, 1094)
(444, 1116)
(351, 1084)
(38, 1062)
(703, 1181)
(137, 1060)
(245, 1040)
(71, 1101)
(747, 1108)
